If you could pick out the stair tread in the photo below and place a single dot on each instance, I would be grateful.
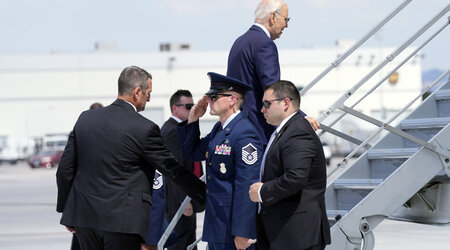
(425, 122)
(336, 212)
(442, 94)
(390, 153)
(356, 183)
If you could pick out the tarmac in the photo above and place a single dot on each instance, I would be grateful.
(28, 217)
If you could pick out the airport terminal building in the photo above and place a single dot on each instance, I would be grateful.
(44, 94)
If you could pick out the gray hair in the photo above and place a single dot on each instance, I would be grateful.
(266, 7)
(131, 78)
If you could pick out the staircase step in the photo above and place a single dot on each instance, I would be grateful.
(442, 94)
(356, 183)
(443, 101)
(390, 153)
(385, 161)
(335, 215)
(351, 191)
(423, 129)
(425, 123)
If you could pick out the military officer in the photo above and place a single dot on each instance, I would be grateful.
(233, 152)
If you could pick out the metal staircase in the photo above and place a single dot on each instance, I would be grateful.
(403, 176)
(396, 178)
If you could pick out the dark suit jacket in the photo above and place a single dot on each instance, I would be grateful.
(174, 195)
(106, 172)
(293, 204)
(254, 59)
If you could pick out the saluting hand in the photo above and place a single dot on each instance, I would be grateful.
(198, 110)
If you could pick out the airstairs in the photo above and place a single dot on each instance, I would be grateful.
(405, 175)
(396, 178)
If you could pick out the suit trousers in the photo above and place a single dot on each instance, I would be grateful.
(92, 239)
(262, 242)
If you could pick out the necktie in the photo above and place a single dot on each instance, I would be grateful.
(263, 163)
(197, 169)
(261, 171)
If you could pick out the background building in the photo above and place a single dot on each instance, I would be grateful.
(44, 94)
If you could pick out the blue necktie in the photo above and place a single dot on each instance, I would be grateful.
(263, 162)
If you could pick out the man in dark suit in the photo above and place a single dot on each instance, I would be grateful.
(253, 59)
(106, 172)
(181, 103)
(292, 211)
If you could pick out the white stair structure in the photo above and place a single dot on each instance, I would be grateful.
(403, 176)
(396, 178)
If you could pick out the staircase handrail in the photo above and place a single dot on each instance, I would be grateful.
(352, 49)
(340, 102)
(386, 77)
(344, 162)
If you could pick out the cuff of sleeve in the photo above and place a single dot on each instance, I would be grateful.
(259, 193)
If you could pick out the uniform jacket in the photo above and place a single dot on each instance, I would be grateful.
(106, 171)
(158, 221)
(233, 158)
(253, 59)
(293, 204)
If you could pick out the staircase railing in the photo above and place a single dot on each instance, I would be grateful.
(386, 126)
(338, 61)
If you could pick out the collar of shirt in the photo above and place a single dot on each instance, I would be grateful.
(230, 119)
(176, 118)
(284, 122)
(263, 28)
(135, 110)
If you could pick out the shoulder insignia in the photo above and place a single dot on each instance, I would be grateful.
(158, 180)
(249, 154)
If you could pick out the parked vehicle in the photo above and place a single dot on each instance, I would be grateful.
(45, 159)
(54, 142)
(13, 149)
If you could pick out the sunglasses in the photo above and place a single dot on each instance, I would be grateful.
(286, 19)
(214, 97)
(267, 103)
(188, 106)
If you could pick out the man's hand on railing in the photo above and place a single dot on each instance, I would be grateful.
(188, 211)
(314, 122)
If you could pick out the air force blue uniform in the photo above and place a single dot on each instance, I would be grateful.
(233, 155)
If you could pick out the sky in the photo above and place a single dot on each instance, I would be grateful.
(73, 26)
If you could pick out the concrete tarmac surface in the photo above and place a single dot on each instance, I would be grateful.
(28, 217)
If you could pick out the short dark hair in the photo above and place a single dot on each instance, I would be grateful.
(96, 105)
(283, 88)
(175, 98)
(131, 78)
